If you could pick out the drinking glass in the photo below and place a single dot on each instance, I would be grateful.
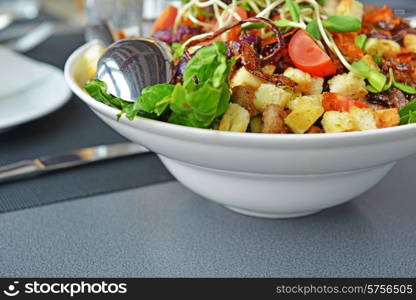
(20, 9)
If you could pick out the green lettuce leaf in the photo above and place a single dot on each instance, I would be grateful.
(98, 90)
(155, 99)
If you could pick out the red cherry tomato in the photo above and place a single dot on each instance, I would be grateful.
(167, 19)
(337, 102)
(309, 57)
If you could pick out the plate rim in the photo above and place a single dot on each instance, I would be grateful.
(58, 101)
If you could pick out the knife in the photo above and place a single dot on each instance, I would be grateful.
(38, 166)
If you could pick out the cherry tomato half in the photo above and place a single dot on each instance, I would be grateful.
(309, 57)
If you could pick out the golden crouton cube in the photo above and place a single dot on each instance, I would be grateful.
(372, 47)
(315, 130)
(301, 119)
(273, 119)
(351, 8)
(302, 79)
(244, 96)
(91, 58)
(317, 86)
(270, 94)
(349, 85)
(330, 7)
(363, 118)
(245, 78)
(269, 69)
(305, 83)
(256, 125)
(236, 119)
(334, 121)
(305, 101)
(409, 42)
(391, 48)
(387, 117)
(382, 47)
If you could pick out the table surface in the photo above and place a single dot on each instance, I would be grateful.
(165, 230)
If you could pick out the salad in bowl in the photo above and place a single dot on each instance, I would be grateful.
(275, 109)
(281, 67)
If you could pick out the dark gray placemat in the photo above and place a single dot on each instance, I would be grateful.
(73, 126)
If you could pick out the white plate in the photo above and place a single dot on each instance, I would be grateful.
(38, 101)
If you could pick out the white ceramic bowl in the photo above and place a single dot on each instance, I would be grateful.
(273, 176)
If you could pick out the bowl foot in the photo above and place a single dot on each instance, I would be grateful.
(276, 195)
(251, 213)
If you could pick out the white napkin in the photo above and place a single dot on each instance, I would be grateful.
(18, 72)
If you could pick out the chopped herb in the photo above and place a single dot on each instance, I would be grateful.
(360, 41)
(342, 24)
(371, 89)
(254, 26)
(376, 79)
(408, 113)
(313, 30)
(283, 23)
(294, 10)
(378, 60)
(405, 88)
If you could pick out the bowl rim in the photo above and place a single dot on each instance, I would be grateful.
(156, 126)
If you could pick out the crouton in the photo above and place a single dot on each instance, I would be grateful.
(315, 129)
(299, 102)
(387, 117)
(363, 118)
(372, 47)
(269, 69)
(382, 47)
(91, 58)
(245, 78)
(409, 42)
(317, 86)
(330, 7)
(390, 48)
(303, 80)
(334, 121)
(351, 8)
(349, 85)
(256, 125)
(236, 119)
(303, 117)
(305, 83)
(244, 96)
(273, 119)
(270, 94)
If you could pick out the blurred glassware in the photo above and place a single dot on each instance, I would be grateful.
(5, 20)
(153, 8)
(20, 9)
(124, 17)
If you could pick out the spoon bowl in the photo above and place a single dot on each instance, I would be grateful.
(128, 66)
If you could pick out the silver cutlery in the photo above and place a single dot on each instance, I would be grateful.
(128, 66)
(31, 39)
(39, 166)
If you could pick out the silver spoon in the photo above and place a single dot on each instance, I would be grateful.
(100, 32)
(128, 66)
